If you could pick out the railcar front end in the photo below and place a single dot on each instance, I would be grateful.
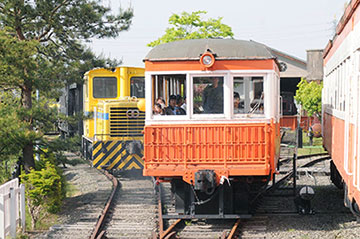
(214, 130)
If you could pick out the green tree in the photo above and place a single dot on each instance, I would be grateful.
(41, 46)
(309, 97)
(192, 26)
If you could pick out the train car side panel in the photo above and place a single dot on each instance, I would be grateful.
(341, 112)
(230, 150)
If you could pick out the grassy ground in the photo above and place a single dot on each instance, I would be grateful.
(314, 149)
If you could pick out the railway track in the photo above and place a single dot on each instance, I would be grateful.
(135, 211)
(131, 212)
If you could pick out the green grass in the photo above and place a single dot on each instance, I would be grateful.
(314, 149)
(71, 190)
(43, 224)
(306, 150)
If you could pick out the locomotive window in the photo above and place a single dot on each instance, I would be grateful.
(104, 87)
(137, 87)
(208, 95)
(248, 95)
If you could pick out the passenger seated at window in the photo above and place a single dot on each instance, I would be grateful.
(158, 109)
(180, 102)
(183, 106)
(213, 97)
(173, 109)
(161, 101)
(237, 103)
(257, 105)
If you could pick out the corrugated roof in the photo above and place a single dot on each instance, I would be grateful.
(223, 49)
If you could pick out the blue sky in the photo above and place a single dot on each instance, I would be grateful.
(290, 26)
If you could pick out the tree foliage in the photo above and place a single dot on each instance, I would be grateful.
(309, 97)
(41, 49)
(192, 26)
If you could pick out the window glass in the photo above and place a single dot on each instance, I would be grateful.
(104, 87)
(137, 87)
(248, 95)
(169, 94)
(208, 95)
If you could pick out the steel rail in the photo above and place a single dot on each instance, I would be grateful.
(285, 160)
(291, 173)
(234, 228)
(98, 233)
(168, 233)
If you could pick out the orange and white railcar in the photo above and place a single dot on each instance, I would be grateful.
(341, 105)
(224, 145)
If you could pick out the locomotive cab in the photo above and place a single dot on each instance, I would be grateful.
(213, 130)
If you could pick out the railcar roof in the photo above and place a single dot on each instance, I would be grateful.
(223, 49)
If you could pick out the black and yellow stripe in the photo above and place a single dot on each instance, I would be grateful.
(113, 155)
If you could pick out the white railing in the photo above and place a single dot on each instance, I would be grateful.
(12, 208)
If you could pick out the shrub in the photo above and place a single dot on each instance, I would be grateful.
(44, 191)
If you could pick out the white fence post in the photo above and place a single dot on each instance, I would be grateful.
(13, 213)
(22, 206)
(12, 208)
(2, 217)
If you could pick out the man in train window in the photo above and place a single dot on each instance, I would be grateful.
(213, 97)
(173, 109)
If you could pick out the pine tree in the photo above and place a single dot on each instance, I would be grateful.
(41, 45)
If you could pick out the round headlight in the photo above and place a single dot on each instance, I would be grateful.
(207, 60)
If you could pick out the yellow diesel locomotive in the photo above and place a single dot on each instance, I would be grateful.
(113, 127)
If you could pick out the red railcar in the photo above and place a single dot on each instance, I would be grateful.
(341, 105)
(224, 143)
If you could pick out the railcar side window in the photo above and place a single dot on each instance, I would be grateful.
(208, 95)
(169, 94)
(248, 95)
(104, 87)
(137, 87)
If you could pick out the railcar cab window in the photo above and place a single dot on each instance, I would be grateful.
(208, 95)
(248, 95)
(137, 87)
(104, 87)
(168, 96)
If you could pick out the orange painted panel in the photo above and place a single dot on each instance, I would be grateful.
(290, 121)
(230, 150)
(336, 140)
(352, 164)
(333, 140)
(218, 65)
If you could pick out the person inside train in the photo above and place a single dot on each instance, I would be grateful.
(161, 101)
(183, 106)
(237, 109)
(158, 109)
(257, 105)
(173, 109)
(213, 97)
